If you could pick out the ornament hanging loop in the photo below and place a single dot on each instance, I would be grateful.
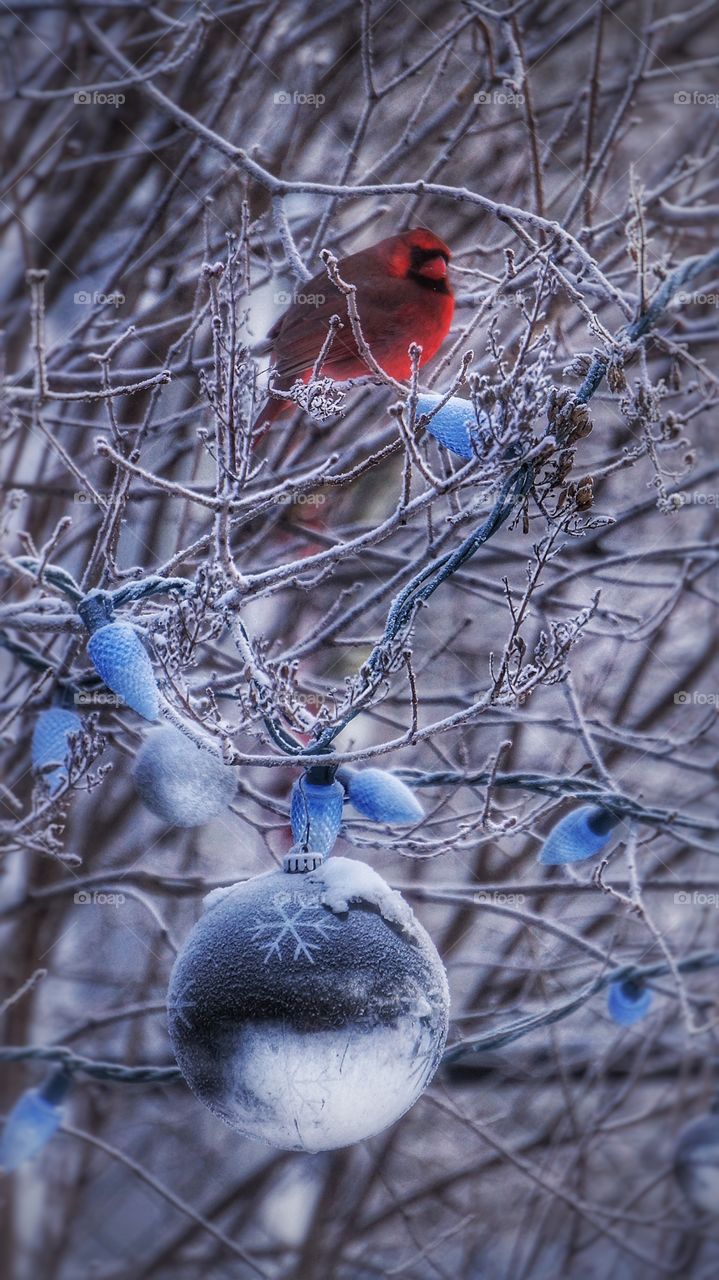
(299, 861)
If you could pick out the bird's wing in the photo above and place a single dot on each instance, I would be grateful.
(389, 310)
(302, 331)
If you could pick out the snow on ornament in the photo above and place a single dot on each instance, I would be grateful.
(316, 805)
(696, 1163)
(381, 797)
(308, 1011)
(580, 834)
(179, 781)
(454, 425)
(628, 1000)
(50, 747)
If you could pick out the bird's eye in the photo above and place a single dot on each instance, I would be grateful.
(435, 268)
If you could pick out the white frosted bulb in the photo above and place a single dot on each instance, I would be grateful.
(180, 782)
(309, 1011)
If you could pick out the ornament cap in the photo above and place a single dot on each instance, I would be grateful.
(95, 610)
(321, 775)
(56, 1087)
(297, 862)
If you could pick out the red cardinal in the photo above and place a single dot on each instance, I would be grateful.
(403, 296)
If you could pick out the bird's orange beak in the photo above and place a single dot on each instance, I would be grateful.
(434, 268)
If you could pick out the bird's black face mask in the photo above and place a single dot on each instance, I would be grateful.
(429, 268)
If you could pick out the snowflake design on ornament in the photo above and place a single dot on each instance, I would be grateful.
(296, 921)
(182, 1001)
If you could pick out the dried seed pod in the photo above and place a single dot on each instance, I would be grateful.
(585, 493)
(559, 398)
(615, 378)
(671, 428)
(580, 422)
(579, 366)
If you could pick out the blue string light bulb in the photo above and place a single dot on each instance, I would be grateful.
(119, 655)
(380, 796)
(316, 805)
(33, 1121)
(628, 1000)
(49, 748)
(580, 834)
(454, 425)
